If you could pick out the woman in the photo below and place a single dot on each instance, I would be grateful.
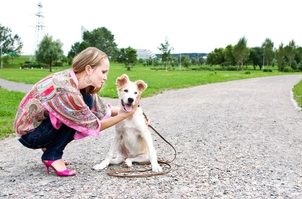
(64, 106)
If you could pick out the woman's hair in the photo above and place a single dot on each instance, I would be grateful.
(90, 56)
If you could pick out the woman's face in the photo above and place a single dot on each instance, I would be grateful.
(99, 74)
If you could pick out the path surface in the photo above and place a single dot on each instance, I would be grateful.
(14, 86)
(239, 139)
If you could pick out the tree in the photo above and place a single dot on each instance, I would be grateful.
(290, 53)
(186, 61)
(9, 43)
(165, 52)
(216, 57)
(268, 52)
(100, 38)
(76, 48)
(128, 57)
(241, 52)
(280, 57)
(49, 51)
(228, 56)
(256, 57)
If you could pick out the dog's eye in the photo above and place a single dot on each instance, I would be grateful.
(135, 92)
(126, 90)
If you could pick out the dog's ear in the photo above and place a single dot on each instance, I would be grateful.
(122, 80)
(141, 85)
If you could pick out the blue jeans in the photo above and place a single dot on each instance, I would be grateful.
(53, 140)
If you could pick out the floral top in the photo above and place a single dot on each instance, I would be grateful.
(58, 97)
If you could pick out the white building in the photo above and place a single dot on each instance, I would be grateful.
(145, 54)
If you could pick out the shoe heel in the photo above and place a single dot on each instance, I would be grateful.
(47, 165)
(47, 170)
(64, 173)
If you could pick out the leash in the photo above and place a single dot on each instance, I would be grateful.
(133, 173)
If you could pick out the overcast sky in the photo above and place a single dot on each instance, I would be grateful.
(188, 25)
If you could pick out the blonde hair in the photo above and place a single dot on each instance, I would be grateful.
(90, 56)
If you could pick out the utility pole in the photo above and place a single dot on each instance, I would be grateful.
(179, 60)
(39, 25)
(1, 45)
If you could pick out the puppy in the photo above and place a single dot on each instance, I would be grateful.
(132, 141)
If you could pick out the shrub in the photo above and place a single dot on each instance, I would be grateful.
(29, 65)
(287, 69)
(267, 70)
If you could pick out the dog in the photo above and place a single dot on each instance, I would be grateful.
(132, 141)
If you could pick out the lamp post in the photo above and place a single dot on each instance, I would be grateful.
(180, 60)
(1, 44)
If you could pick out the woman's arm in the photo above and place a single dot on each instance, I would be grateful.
(114, 110)
(114, 120)
(118, 116)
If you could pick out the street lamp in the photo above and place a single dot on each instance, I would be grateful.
(1, 44)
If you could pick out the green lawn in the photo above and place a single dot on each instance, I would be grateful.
(298, 93)
(8, 107)
(157, 81)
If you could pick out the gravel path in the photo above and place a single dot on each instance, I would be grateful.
(238, 139)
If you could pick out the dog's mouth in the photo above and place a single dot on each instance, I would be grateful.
(126, 107)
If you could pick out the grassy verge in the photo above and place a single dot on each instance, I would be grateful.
(157, 81)
(298, 93)
(8, 107)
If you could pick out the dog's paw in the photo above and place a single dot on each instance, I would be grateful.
(128, 163)
(156, 168)
(101, 166)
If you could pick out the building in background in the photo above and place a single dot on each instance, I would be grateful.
(145, 54)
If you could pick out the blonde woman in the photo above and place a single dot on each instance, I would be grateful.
(65, 106)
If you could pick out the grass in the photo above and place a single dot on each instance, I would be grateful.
(8, 107)
(298, 93)
(16, 62)
(157, 81)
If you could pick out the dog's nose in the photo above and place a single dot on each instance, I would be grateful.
(130, 100)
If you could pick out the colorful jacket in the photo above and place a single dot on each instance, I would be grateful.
(58, 97)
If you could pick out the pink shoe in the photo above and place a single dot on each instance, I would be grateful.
(64, 173)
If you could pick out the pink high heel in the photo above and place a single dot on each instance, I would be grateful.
(64, 173)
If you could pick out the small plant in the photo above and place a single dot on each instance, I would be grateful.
(267, 70)
(288, 69)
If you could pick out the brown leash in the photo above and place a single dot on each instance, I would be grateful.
(133, 173)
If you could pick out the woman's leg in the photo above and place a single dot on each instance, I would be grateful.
(52, 140)
(54, 150)
(41, 136)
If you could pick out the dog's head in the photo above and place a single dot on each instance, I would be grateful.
(128, 91)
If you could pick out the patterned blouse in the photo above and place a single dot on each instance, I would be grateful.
(57, 96)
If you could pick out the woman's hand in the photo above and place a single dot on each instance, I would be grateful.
(134, 108)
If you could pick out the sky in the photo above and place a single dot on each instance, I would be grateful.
(188, 25)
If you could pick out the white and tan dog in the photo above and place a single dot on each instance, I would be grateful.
(132, 141)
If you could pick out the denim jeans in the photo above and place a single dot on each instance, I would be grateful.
(53, 140)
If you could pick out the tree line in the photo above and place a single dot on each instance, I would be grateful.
(285, 57)
(49, 52)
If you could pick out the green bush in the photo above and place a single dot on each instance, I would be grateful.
(288, 69)
(267, 70)
(30, 65)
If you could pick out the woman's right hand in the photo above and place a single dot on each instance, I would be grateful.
(134, 108)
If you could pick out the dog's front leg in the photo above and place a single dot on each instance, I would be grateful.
(152, 153)
(109, 156)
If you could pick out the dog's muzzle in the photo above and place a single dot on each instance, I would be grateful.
(127, 106)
